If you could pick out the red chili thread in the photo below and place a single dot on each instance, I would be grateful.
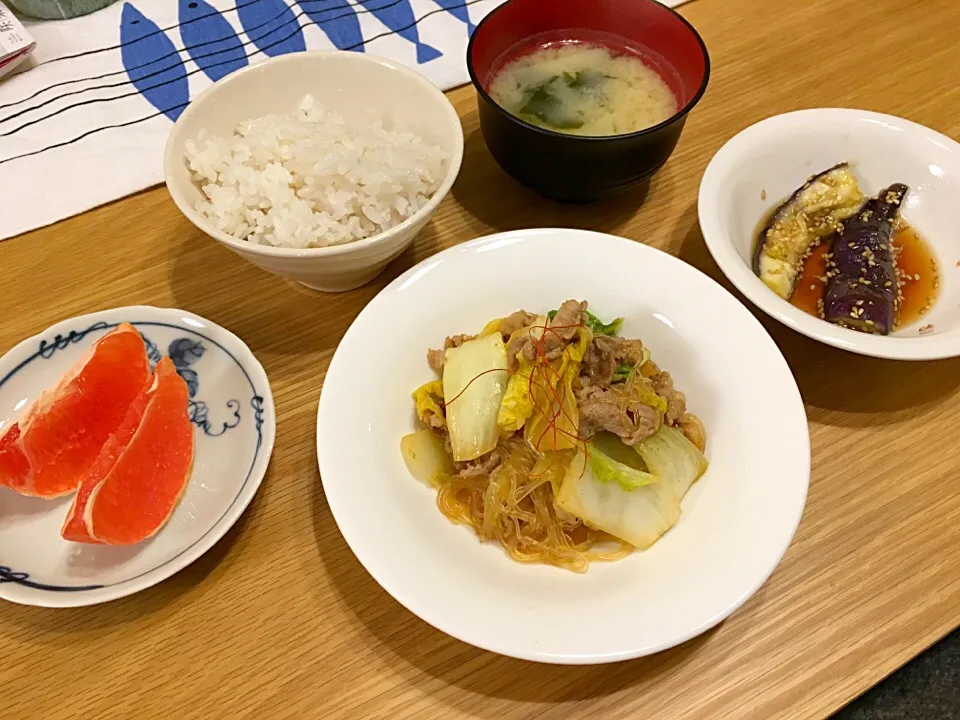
(474, 379)
(557, 398)
(543, 366)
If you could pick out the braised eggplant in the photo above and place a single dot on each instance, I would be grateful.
(862, 291)
(813, 212)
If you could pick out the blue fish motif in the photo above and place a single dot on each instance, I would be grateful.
(458, 8)
(398, 16)
(338, 20)
(210, 39)
(152, 63)
(271, 26)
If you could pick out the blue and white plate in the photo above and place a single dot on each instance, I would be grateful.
(232, 409)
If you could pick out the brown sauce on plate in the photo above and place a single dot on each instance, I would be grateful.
(917, 270)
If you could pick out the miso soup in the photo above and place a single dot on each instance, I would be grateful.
(583, 89)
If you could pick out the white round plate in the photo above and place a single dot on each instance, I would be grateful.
(232, 408)
(737, 520)
(763, 165)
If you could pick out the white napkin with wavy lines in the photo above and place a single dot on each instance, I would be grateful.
(85, 121)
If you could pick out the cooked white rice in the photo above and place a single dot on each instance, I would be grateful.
(307, 179)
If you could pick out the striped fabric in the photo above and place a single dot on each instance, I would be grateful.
(85, 121)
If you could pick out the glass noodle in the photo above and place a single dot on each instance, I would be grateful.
(515, 507)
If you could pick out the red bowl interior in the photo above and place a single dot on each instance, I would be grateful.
(644, 27)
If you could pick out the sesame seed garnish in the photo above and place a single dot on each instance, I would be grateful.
(924, 329)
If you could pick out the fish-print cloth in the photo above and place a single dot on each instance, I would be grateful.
(85, 123)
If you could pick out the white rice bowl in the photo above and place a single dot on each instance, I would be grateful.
(307, 180)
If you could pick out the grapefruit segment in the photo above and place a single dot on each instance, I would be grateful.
(136, 483)
(50, 449)
(14, 466)
(74, 527)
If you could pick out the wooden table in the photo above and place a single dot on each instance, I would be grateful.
(280, 620)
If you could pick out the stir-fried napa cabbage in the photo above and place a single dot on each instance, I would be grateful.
(491, 327)
(630, 504)
(608, 446)
(474, 382)
(633, 494)
(672, 457)
(429, 399)
(426, 458)
(517, 405)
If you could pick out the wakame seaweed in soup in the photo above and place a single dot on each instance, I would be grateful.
(583, 89)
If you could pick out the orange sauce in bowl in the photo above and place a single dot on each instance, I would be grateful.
(917, 270)
(808, 292)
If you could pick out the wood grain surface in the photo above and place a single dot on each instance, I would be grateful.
(279, 620)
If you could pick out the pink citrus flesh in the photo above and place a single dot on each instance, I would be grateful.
(141, 474)
(51, 448)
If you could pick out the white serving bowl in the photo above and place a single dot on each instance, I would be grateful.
(737, 520)
(350, 84)
(762, 165)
